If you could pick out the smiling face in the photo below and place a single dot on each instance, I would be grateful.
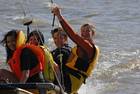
(11, 42)
(87, 31)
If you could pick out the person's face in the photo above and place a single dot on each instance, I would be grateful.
(11, 42)
(33, 40)
(86, 33)
(59, 40)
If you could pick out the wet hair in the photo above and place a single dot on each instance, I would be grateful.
(4, 42)
(91, 27)
(39, 36)
(60, 30)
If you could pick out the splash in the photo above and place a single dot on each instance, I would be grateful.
(112, 72)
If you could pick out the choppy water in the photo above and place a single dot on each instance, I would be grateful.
(118, 30)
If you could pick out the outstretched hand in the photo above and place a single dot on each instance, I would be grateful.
(56, 10)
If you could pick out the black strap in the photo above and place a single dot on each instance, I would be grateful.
(76, 73)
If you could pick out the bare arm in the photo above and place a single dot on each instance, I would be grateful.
(25, 76)
(85, 45)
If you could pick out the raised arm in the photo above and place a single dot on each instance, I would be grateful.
(85, 45)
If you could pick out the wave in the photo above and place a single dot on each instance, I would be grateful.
(113, 72)
(35, 21)
(117, 79)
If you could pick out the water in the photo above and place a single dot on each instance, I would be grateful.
(117, 23)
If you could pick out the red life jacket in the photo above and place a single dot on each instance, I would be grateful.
(14, 62)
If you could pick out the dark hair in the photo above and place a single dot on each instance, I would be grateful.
(39, 36)
(60, 30)
(4, 42)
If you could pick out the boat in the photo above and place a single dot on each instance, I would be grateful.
(10, 85)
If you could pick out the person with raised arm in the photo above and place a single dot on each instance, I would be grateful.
(84, 55)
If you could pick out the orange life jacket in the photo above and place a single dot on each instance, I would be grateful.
(14, 62)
